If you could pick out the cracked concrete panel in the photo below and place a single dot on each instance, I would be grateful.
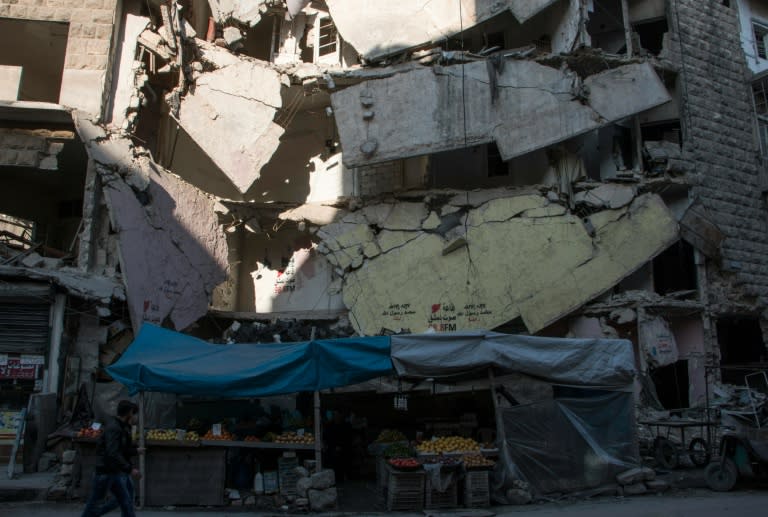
(376, 29)
(230, 116)
(406, 216)
(503, 209)
(540, 268)
(423, 111)
(609, 195)
(175, 276)
(305, 283)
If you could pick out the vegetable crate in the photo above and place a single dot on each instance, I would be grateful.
(405, 490)
(447, 499)
(287, 475)
(477, 489)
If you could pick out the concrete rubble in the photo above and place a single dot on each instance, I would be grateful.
(230, 116)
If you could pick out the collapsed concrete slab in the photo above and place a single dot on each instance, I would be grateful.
(87, 286)
(244, 11)
(377, 29)
(510, 265)
(443, 108)
(230, 113)
(173, 253)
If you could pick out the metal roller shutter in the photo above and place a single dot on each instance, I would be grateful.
(24, 326)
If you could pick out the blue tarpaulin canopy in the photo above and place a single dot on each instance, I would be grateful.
(166, 361)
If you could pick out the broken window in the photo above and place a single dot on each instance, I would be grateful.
(760, 31)
(327, 42)
(760, 94)
(674, 270)
(606, 27)
(651, 35)
(34, 68)
(742, 350)
(662, 131)
(16, 232)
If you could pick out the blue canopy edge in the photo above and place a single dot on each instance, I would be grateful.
(167, 361)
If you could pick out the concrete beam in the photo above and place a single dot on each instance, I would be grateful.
(522, 106)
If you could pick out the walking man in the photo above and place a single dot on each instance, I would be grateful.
(114, 470)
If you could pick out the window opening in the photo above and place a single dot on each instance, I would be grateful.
(741, 345)
(328, 37)
(760, 32)
(760, 95)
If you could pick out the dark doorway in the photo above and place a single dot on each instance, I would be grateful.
(672, 385)
(674, 270)
(742, 349)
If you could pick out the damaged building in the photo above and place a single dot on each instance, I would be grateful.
(564, 168)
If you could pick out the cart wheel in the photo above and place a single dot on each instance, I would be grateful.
(721, 475)
(666, 453)
(698, 451)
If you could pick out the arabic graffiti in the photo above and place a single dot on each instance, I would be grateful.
(442, 317)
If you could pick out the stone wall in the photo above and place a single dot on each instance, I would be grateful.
(720, 140)
(89, 41)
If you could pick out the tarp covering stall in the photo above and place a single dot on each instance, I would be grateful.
(579, 440)
(605, 363)
(162, 360)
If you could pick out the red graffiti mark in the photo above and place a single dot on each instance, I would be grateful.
(146, 305)
(435, 307)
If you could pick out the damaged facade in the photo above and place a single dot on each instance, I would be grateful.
(582, 168)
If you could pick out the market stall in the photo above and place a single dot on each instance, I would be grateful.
(580, 438)
(161, 360)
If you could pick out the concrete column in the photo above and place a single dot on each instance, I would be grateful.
(51, 384)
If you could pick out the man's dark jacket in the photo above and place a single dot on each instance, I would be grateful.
(115, 448)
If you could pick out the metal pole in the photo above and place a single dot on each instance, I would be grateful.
(318, 435)
(318, 427)
(142, 456)
(500, 433)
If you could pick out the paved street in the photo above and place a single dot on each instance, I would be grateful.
(698, 503)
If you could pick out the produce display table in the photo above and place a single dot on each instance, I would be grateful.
(179, 473)
(259, 445)
(191, 472)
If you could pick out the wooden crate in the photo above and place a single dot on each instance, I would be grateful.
(477, 489)
(405, 490)
(435, 500)
(288, 478)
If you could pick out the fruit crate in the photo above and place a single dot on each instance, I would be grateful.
(436, 500)
(287, 475)
(477, 489)
(405, 490)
